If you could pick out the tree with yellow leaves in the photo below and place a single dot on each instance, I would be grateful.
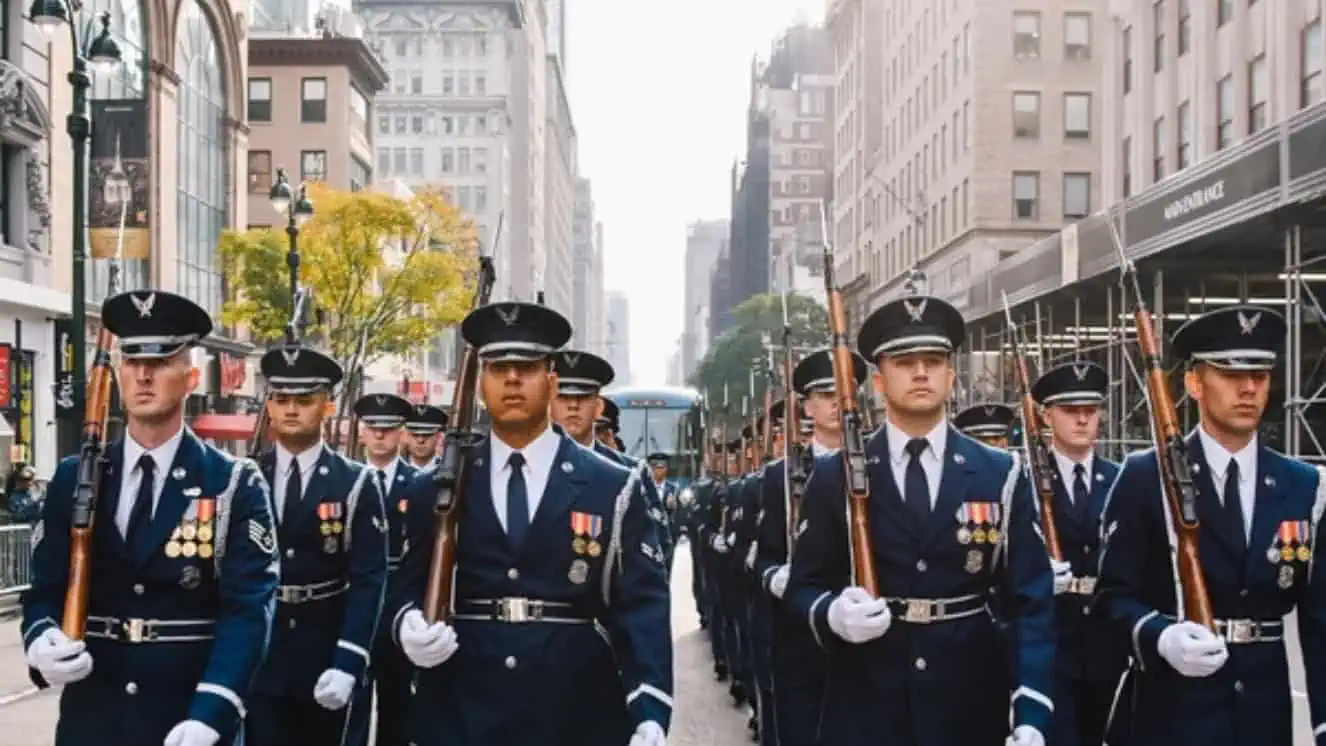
(390, 272)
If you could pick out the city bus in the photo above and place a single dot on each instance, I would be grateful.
(659, 419)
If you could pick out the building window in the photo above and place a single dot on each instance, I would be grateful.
(1310, 89)
(1185, 136)
(416, 161)
(1026, 35)
(1026, 195)
(1128, 59)
(1077, 116)
(1158, 43)
(360, 175)
(1225, 112)
(312, 165)
(260, 99)
(1077, 196)
(1257, 89)
(1126, 167)
(358, 110)
(1077, 36)
(203, 191)
(1224, 12)
(1185, 26)
(1158, 150)
(260, 171)
(1026, 114)
(313, 100)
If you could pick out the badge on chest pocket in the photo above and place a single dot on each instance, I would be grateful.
(1291, 543)
(195, 532)
(978, 523)
(331, 525)
(586, 529)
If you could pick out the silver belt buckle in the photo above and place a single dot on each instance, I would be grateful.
(138, 630)
(919, 611)
(1084, 586)
(1242, 630)
(516, 610)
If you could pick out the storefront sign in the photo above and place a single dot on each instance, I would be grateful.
(64, 369)
(6, 376)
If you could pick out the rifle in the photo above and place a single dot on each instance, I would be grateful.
(352, 389)
(795, 472)
(91, 463)
(767, 435)
(854, 445)
(1171, 453)
(450, 474)
(1033, 443)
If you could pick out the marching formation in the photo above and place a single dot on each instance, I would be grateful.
(926, 581)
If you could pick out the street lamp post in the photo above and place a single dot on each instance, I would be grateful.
(298, 209)
(97, 52)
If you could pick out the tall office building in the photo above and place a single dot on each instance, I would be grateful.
(964, 131)
(586, 272)
(559, 194)
(705, 240)
(618, 342)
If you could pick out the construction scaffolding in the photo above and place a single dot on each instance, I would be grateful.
(1266, 261)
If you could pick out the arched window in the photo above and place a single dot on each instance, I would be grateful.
(127, 82)
(203, 177)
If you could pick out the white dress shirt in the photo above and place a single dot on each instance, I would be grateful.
(932, 458)
(131, 476)
(539, 457)
(1217, 460)
(1067, 465)
(284, 460)
(386, 481)
(818, 449)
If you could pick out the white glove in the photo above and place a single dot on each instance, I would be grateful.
(59, 659)
(778, 583)
(1063, 576)
(719, 544)
(731, 538)
(426, 645)
(192, 733)
(1026, 735)
(857, 617)
(649, 733)
(334, 689)
(1193, 650)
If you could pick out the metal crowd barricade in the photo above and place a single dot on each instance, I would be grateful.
(15, 559)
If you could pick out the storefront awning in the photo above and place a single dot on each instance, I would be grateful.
(224, 426)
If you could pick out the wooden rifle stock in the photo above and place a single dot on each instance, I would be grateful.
(854, 448)
(451, 472)
(1171, 456)
(1039, 464)
(87, 489)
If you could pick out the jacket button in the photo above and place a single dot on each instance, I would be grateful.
(1238, 687)
(920, 565)
(131, 688)
(512, 574)
(510, 661)
(1086, 549)
(138, 589)
(289, 554)
(1243, 593)
(292, 624)
(920, 664)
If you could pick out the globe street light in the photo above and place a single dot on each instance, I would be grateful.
(93, 48)
(298, 209)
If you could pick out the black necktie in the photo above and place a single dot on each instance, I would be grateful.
(915, 488)
(517, 500)
(1081, 495)
(294, 492)
(141, 515)
(1233, 502)
(382, 483)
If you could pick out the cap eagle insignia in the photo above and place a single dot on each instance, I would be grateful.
(291, 356)
(915, 309)
(573, 359)
(989, 411)
(1081, 372)
(508, 317)
(144, 305)
(1248, 323)
(381, 400)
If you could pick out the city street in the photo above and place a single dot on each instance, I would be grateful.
(704, 717)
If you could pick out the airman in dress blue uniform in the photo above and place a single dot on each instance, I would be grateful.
(953, 524)
(668, 494)
(383, 419)
(184, 564)
(559, 632)
(332, 532)
(1259, 514)
(423, 435)
(608, 424)
(989, 423)
(1087, 664)
(797, 662)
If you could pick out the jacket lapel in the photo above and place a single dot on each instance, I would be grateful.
(1209, 511)
(109, 529)
(182, 484)
(1267, 510)
(478, 495)
(1102, 480)
(320, 481)
(887, 510)
(1066, 512)
(564, 484)
(956, 481)
(267, 465)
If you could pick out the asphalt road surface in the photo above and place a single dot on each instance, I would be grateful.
(704, 713)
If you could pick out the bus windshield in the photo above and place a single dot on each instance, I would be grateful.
(652, 430)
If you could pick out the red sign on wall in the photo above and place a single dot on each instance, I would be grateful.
(6, 368)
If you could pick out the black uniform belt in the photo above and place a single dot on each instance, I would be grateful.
(300, 594)
(931, 610)
(1244, 631)
(521, 610)
(150, 630)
